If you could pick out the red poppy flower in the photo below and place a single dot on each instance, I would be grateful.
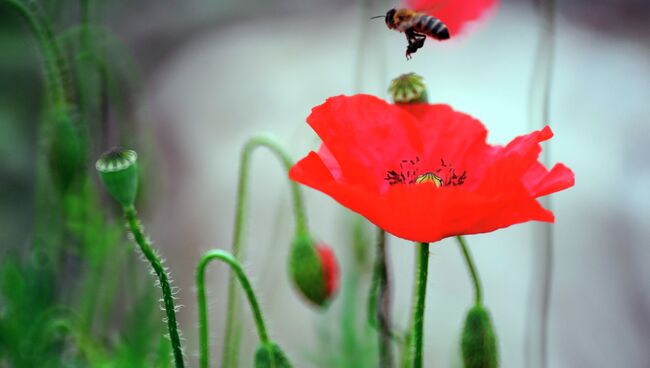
(456, 14)
(425, 172)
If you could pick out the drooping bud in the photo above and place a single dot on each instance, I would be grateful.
(271, 356)
(479, 342)
(65, 151)
(313, 269)
(118, 169)
(408, 88)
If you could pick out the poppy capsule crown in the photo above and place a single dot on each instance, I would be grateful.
(118, 169)
(408, 88)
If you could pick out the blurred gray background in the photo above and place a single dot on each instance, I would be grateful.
(215, 73)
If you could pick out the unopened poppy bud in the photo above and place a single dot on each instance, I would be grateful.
(65, 151)
(313, 269)
(408, 88)
(118, 169)
(271, 356)
(479, 342)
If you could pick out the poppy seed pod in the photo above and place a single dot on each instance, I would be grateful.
(408, 88)
(479, 342)
(270, 355)
(313, 269)
(118, 169)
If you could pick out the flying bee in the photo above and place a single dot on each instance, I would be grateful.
(416, 26)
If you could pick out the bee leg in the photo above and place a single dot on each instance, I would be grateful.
(410, 49)
(415, 42)
(411, 38)
(419, 40)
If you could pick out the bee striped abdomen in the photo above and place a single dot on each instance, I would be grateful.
(431, 26)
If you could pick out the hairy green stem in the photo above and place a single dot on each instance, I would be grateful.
(156, 263)
(202, 302)
(539, 111)
(233, 320)
(418, 308)
(478, 294)
(379, 303)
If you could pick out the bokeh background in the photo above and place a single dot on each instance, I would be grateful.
(196, 78)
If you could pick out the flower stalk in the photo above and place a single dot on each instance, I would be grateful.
(168, 298)
(478, 294)
(417, 338)
(379, 303)
(118, 171)
(233, 320)
(268, 350)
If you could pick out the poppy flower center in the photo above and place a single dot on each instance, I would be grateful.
(408, 173)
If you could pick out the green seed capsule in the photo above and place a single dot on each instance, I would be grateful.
(118, 169)
(408, 88)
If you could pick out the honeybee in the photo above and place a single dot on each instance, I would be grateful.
(416, 26)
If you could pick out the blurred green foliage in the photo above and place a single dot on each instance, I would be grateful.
(352, 342)
(64, 262)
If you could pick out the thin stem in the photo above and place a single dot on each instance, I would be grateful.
(84, 38)
(418, 308)
(472, 269)
(379, 302)
(233, 321)
(49, 50)
(539, 111)
(203, 314)
(168, 298)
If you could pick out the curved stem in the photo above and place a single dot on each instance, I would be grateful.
(418, 308)
(168, 299)
(233, 321)
(472, 269)
(203, 314)
(51, 55)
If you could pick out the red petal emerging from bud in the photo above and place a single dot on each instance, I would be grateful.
(330, 269)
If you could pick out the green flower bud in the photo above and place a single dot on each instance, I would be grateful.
(118, 169)
(479, 342)
(65, 151)
(408, 88)
(271, 356)
(313, 269)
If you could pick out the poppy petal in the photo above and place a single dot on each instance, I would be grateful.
(363, 153)
(456, 14)
(363, 137)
